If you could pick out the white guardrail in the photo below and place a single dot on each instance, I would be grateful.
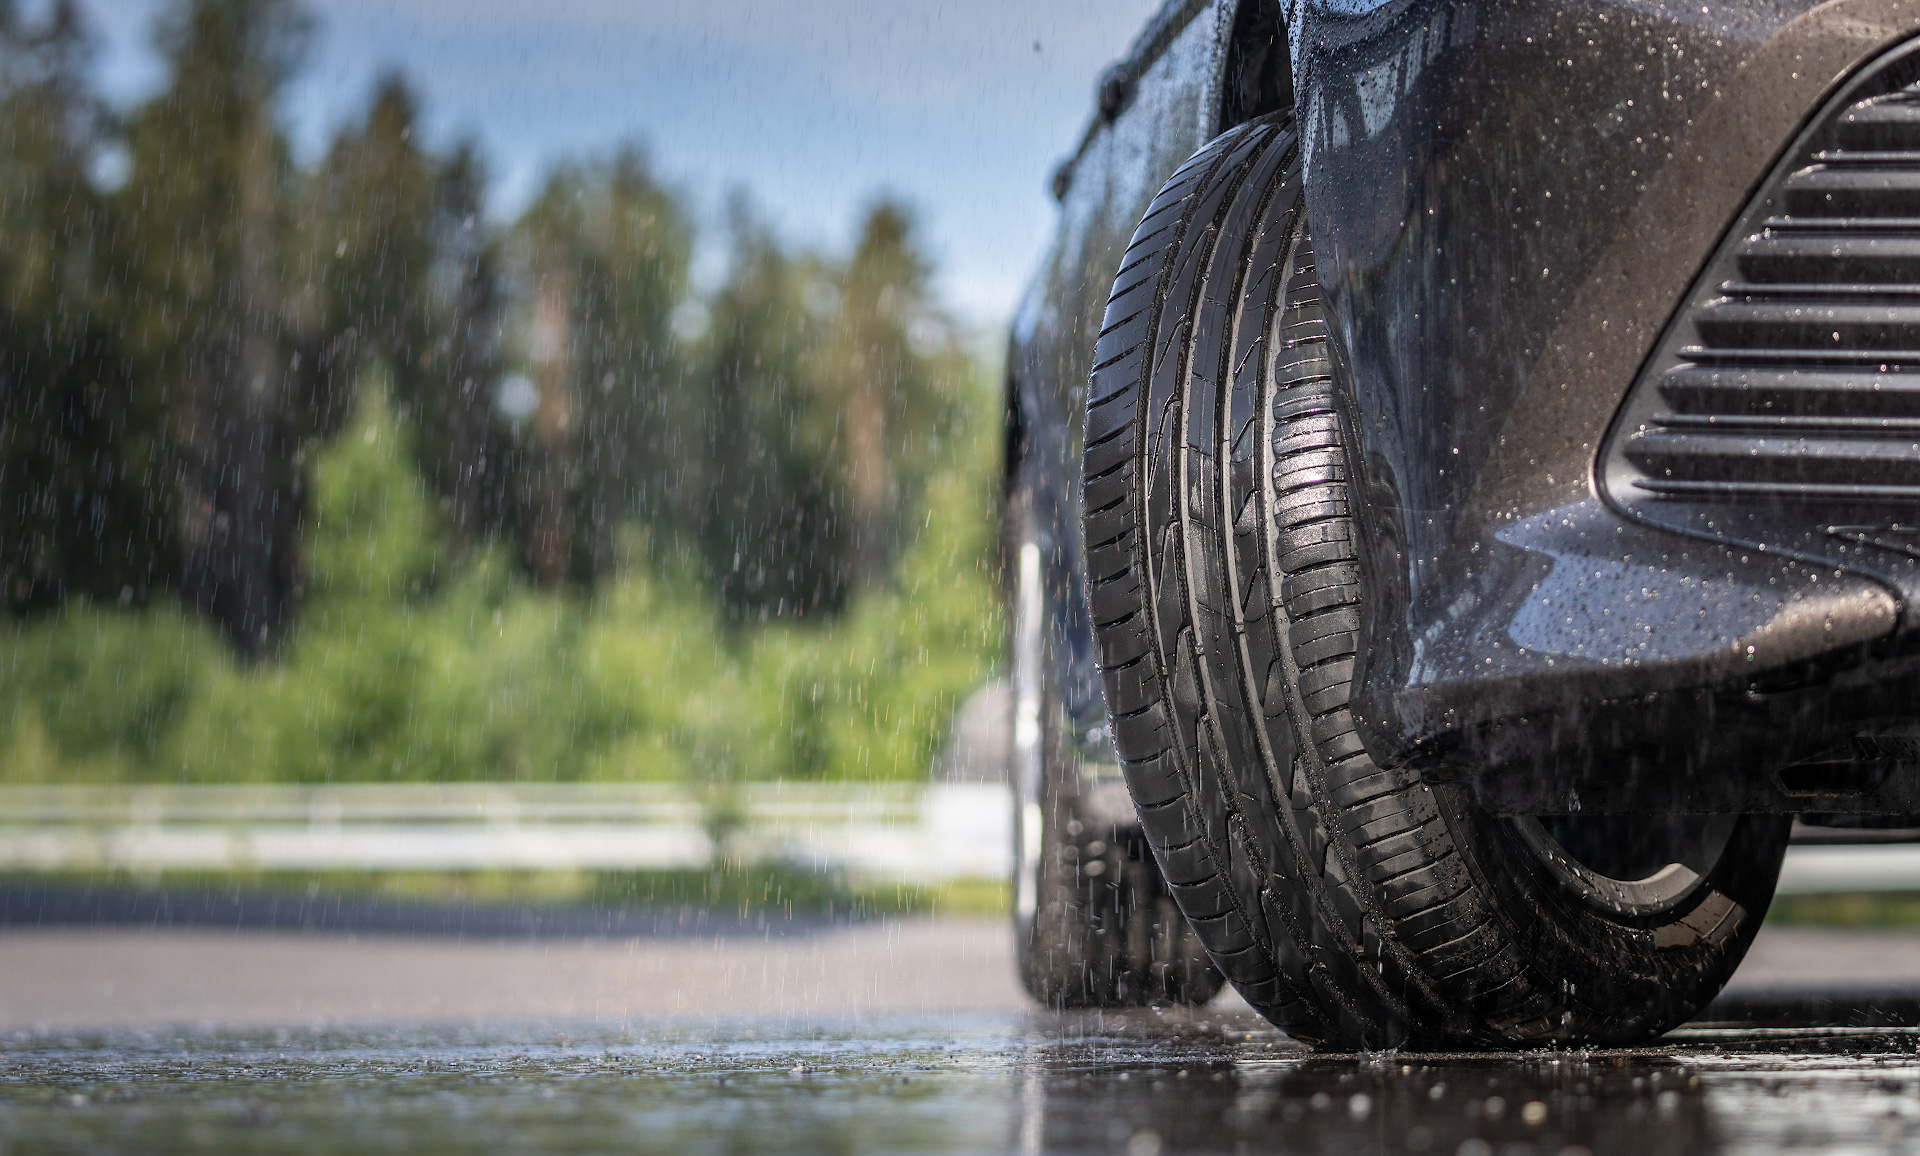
(905, 831)
(1816, 870)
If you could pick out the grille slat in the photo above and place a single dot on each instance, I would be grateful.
(1890, 122)
(1703, 391)
(1794, 423)
(1852, 191)
(1768, 324)
(1829, 260)
(1889, 158)
(1805, 459)
(1711, 491)
(1856, 226)
(1815, 293)
(1886, 358)
(1797, 372)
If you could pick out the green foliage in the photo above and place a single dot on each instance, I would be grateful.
(408, 666)
(830, 382)
(773, 891)
(1848, 909)
(97, 692)
(316, 475)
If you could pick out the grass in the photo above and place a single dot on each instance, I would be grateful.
(749, 890)
(1864, 909)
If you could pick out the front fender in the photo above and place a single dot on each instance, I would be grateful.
(1508, 201)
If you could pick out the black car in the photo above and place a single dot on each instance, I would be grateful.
(1463, 505)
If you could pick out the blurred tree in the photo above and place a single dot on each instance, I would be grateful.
(827, 388)
(85, 507)
(468, 455)
(189, 323)
(878, 377)
(766, 518)
(174, 353)
(248, 367)
(366, 244)
(603, 252)
(399, 263)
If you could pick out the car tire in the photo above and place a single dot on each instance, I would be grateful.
(1351, 903)
(1094, 923)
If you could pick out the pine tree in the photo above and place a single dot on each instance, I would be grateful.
(824, 396)
(85, 504)
(207, 203)
(883, 392)
(603, 254)
(467, 454)
(404, 269)
(766, 517)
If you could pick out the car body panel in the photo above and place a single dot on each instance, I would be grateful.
(1508, 202)
(1507, 214)
(1163, 113)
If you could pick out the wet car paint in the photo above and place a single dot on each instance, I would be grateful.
(1141, 1082)
(1509, 200)
(1165, 116)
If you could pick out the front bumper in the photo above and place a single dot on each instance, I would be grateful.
(1510, 204)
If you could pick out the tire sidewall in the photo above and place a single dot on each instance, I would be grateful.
(1097, 936)
(1661, 969)
(1624, 979)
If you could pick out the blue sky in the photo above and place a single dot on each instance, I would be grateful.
(812, 106)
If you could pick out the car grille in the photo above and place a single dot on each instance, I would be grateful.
(1793, 375)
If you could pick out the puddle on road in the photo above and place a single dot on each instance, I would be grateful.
(1141, 1083)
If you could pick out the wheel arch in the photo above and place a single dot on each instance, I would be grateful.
(1256, 71)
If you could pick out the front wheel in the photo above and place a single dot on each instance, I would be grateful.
(1350, 903)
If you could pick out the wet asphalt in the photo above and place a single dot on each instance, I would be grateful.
(1140, 1083)
(891, 1038)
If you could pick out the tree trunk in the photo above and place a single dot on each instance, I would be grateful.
(463, 467)
(868, 480)
(547, 544)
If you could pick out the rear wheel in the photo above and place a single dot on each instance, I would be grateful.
(1350, 903)
(1094, 923)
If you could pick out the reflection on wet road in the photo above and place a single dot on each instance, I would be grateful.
(1139, 1083)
